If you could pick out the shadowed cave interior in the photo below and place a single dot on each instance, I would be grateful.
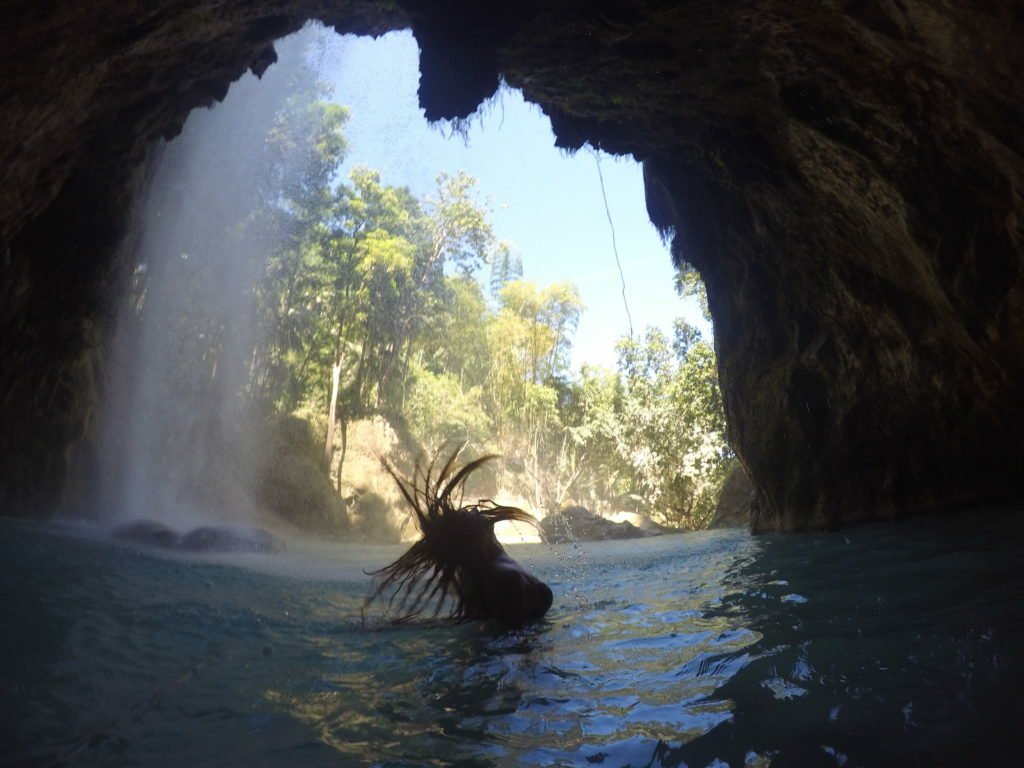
(847, 180)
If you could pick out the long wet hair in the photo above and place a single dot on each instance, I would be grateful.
(457, 542)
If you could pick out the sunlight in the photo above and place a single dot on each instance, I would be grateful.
(545, 202)
(364, 291)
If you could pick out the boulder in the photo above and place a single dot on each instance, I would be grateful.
(205, 538)
(148, 533)
(846, 177)
(580, 524)
(733, 508)
(230, 538)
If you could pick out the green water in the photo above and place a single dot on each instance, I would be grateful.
(885, 645)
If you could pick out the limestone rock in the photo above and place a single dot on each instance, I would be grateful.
(580, 524)
(847, 178)
(205, 538)
(290, 478)
(224, 538)
(734, 502)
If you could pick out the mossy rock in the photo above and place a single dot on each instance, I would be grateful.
(580, 524)
(372, 520)
(733, 509)
(291, 480)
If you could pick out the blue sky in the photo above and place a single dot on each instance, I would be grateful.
(547, 203)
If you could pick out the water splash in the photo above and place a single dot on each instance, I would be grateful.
(572, 562)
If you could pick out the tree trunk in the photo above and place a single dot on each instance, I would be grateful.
(344, 450)
(333, 407)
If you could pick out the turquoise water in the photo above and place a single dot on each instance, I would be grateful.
(885, 645)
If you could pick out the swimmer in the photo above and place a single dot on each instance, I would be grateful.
(459, 556)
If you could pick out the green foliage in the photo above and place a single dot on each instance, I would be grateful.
(305, 146)
(541, 322)
(459, 230)
(452, 338)
(372, 304)
(345, 299)
(689, 283)
(441, 410)
(506, 266)
(592, 415)
(673, 427)
(291, 481)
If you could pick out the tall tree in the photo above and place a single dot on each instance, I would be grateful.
(546, 319)
(672, 428)
(530, 339)
(506, 266)
(370, 260)
(303, 151)
(388, 254)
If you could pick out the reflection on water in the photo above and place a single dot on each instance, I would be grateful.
(878, 646)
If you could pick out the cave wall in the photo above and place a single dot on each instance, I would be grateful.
(87, 91)
(846, 176)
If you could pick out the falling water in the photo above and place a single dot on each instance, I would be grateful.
(172, 435)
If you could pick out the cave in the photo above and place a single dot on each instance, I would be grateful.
(846, 178)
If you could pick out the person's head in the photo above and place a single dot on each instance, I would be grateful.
(459, 557)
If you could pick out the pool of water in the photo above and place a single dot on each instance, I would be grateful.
(883, 645)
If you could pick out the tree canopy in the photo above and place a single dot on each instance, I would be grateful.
(375, 302)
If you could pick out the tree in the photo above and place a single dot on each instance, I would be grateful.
(441, 410)
(370, 261)
(589, 457)
(688, 283)
(454, 338)
(303, 150)
(506, 266)
(371, 304)
(529, 338)
(672, 426)
(460, 232)
(541, 323)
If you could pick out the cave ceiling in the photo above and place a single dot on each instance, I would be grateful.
(846, 176)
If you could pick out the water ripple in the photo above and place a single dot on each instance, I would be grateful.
(708, 649)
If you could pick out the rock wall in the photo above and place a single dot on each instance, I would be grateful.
(846, 176)
(735, 501)
(87, 91)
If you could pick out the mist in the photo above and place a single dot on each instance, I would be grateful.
(172, 441)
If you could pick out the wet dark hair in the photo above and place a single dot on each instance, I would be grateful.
(457, 543)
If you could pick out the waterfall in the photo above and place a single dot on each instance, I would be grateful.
(170, 443)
